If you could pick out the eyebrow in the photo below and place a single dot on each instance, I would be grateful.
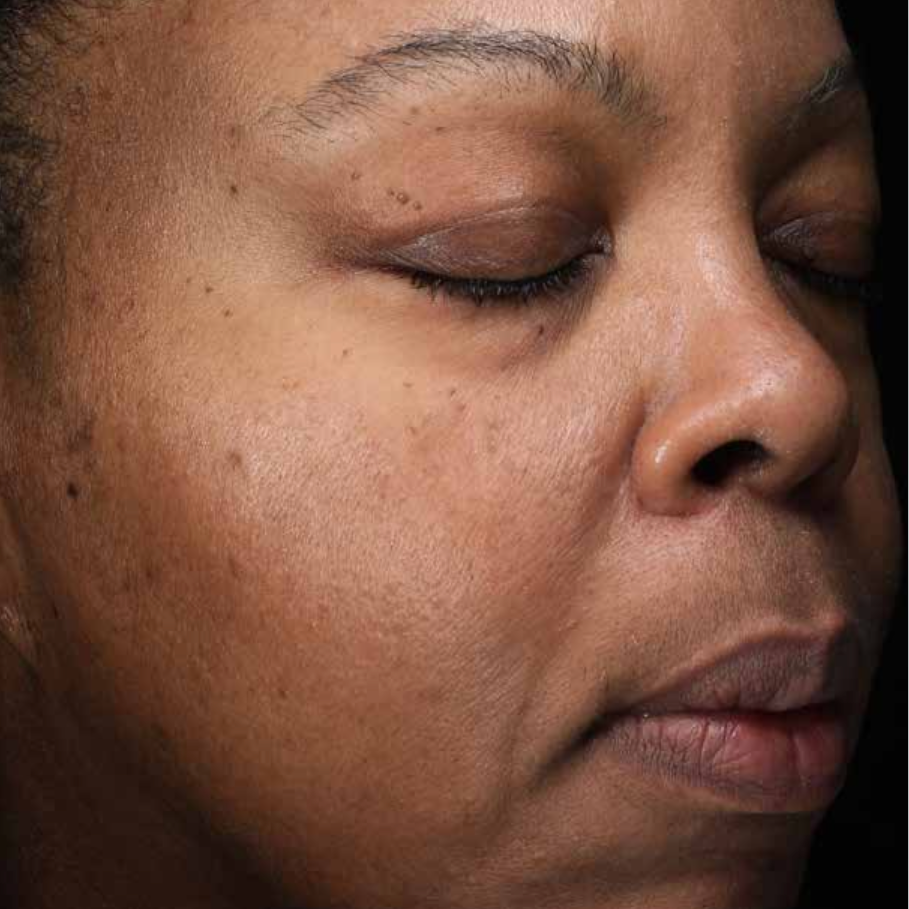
(839, 81)
(442, 56)
(438, 58)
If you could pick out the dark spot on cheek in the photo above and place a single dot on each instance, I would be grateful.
(82, 438)
(151, 574)
(390, 193)
(407, 384)
(234, 189)
(355, 175)
(412, 429)
(414, 110)
(440, 129)
(235, 459)
(403, 198)
(417, 206)
(234, 567)
(540, 329)
(72, 490)
(209, 289)
(345, 353)
(235, 135)
(452, 391)
(227, 313)
(282, 694)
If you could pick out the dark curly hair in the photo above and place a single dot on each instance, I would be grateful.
(24, 148)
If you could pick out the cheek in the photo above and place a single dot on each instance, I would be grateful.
(292, 588)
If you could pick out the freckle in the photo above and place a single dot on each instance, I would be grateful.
(392, 193)
(403, 198)
(415, 109)
(418, 206)
(541, 329)
(234, 189)
(408, 384)
(228, 313)
(209, 289)
(151, 574)
(452, 391)
(282, 694)
(462, 405)
(189, 281)
(345, 352)
(412, 429)
(55, 610)
(81, 440)
(72, 490)
(440, 129)
(355, 175)
(235, 459)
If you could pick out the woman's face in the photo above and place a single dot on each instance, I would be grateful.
(346, 568)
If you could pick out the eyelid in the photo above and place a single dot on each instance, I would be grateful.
(841, 241)
(503, 244)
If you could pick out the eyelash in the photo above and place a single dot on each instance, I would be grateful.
(866, 291)
(562, 280)
(518, 292)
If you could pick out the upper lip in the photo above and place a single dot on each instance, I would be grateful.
(774, 674)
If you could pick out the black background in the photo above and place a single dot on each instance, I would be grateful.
(859, 853)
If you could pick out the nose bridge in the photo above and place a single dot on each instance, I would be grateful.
(745, 398)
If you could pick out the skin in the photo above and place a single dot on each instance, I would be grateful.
(306, 578)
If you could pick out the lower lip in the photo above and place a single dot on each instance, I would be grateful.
(790, 761)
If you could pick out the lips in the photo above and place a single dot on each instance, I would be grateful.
(772, 675)
(766, 725)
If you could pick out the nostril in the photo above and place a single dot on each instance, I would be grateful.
(742, 454)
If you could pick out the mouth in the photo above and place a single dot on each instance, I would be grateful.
(767, 726)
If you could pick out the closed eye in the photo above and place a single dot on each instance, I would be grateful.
(489, 292)
(866, 290)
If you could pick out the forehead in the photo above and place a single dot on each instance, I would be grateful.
(697, 55)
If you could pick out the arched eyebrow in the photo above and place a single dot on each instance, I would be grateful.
(440, 57)
(838, 83)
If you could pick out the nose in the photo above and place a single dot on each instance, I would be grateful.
(767, 412)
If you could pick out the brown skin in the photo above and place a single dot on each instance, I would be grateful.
(306, 579)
